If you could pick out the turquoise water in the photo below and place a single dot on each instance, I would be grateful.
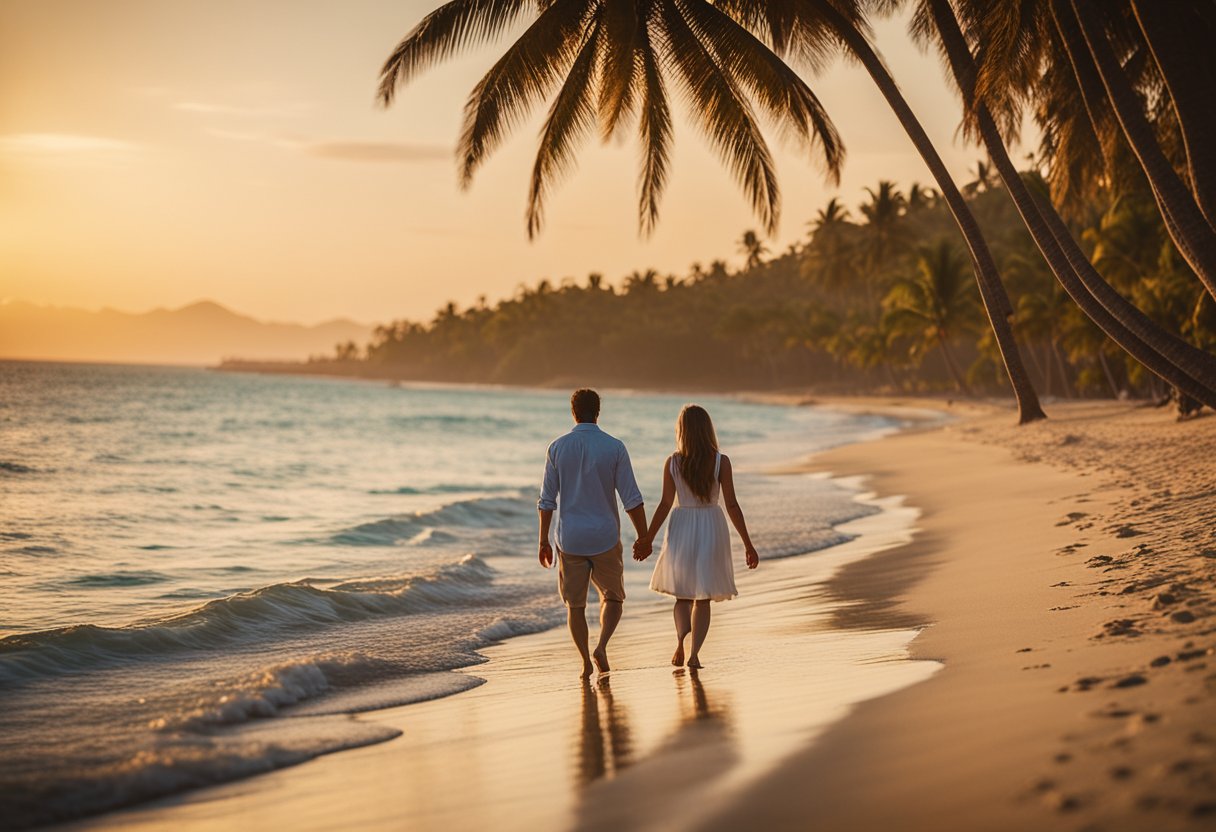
(204, 574)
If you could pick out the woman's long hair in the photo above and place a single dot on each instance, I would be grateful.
(696, 449)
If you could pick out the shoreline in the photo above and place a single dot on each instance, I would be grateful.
(1076, 692)
(889, 526)
(1071, 614)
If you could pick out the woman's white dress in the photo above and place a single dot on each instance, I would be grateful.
(695, 559)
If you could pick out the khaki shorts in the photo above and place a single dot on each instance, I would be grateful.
(606, 570)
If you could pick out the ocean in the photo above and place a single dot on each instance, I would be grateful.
(205, 574)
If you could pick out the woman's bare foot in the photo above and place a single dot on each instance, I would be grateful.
(601, 659)
(694, 662)
(588, 669)
(677, 658)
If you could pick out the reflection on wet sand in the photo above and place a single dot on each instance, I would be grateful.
(701, 707)
(604, 745)
(697, 746)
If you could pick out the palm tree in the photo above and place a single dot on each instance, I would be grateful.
(985, 178)
(1090, 52)
(1168, 356)
(753, 248)
(920, 197)
(828, 255)
(714, 57)
(933, 303)
(809, 28)
(831, 215)
(612, 63)
(1180, 37)
(883, 212)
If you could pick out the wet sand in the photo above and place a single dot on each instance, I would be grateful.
(1065, 678)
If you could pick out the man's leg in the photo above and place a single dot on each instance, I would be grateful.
(573, 576)
(576, 620)
(610, 616)
(608, 574)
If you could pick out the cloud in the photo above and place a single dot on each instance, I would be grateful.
(62, 143)
(351, 150)
(359, 151)
(278, 111)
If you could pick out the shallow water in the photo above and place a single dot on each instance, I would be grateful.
(192, 562)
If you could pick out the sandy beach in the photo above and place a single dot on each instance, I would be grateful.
(1021, 639)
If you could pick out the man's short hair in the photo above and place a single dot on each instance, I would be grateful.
(585, 404)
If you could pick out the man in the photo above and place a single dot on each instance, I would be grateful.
(584, 471)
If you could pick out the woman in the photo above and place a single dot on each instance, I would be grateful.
(695, 565)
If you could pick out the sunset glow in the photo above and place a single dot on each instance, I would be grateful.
(154, 154)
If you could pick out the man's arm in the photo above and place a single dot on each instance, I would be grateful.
(546, 505)
(631, 495)
(546, 548)
(638, 515)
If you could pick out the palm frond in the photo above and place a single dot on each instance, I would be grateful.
(570, 116)
(523, 76)
(724, 114)
(791, 104)
(442, 33)
(620, 69)
(654, 126)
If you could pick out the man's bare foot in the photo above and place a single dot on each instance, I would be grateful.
(677, 658)
(601, 659)
(694, 662)
(587, 669)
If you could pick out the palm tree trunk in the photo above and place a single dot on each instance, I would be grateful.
(992, 291)
(1080, 26)
(1177, 36)
(1176, 361)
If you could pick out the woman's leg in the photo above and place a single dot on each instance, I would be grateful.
(682, 613)
(700, 629)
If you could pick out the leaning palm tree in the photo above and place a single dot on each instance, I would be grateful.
(611, 64)
(1180, 37)
(801, 28)
(1169, 357)
(1081, 27)
(615, 56)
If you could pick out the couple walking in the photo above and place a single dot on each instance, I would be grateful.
(585, 470)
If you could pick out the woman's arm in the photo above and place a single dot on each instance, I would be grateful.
(731, 503)
(662, 509)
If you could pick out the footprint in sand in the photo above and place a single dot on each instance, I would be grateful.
(1071, 517)
(1119, 627)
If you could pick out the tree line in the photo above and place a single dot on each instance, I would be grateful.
(1118, 88)
(877, 297)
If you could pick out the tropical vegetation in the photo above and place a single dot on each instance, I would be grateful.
(1094, 270)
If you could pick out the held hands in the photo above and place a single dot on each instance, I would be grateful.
(753, 557)
(546, 554)
(642, 548)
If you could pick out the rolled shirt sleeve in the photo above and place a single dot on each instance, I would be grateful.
(626, 483)
(549, 485)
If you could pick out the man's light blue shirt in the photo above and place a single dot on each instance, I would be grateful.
(584, 471)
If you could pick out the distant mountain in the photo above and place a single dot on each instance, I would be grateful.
(200, 333)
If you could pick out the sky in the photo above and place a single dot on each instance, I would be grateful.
(155, 153)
